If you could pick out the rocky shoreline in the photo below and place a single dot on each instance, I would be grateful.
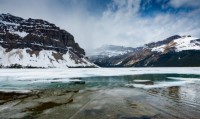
(29, 105)
(114, 103)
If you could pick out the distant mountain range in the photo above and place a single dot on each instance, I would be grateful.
(175, 51)
(37, 43)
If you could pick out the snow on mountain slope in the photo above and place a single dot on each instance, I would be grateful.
(21, 34)
(180, 44)
(187, 43)
(112, 50)
(112, 53)
(44, 58)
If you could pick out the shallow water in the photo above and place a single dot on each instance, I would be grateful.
(133, 93)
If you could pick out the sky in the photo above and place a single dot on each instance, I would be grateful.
(94, 23)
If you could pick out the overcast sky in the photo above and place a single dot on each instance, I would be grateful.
(117, 22)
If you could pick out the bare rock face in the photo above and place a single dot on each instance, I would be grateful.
(165, 41)
(36, 35)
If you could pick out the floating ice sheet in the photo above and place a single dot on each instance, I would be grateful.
(23, 77)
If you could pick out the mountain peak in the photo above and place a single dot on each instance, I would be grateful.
(165, 41)
(10, 18)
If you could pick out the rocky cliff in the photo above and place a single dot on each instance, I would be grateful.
(37, 43)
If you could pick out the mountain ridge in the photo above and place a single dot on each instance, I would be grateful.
(166, 51)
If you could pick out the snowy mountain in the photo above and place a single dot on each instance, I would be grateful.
(112, 50)
(171, 52)
(108, 55)
(37, 43)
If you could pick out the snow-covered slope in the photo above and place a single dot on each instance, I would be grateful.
(44, 58)
(37, 43)
(180, 44)
(112, 50)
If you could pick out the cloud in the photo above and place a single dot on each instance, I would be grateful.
(119, 23)
(185, 3)
(122, 24)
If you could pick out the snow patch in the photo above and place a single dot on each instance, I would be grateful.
(9, 23)
(21, 34)
(183, 43)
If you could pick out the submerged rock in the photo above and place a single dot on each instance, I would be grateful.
(79, 82)
(146, 82)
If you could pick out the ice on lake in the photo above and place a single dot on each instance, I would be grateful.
(25, 79)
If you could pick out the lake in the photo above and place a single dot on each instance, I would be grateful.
(100, 93)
